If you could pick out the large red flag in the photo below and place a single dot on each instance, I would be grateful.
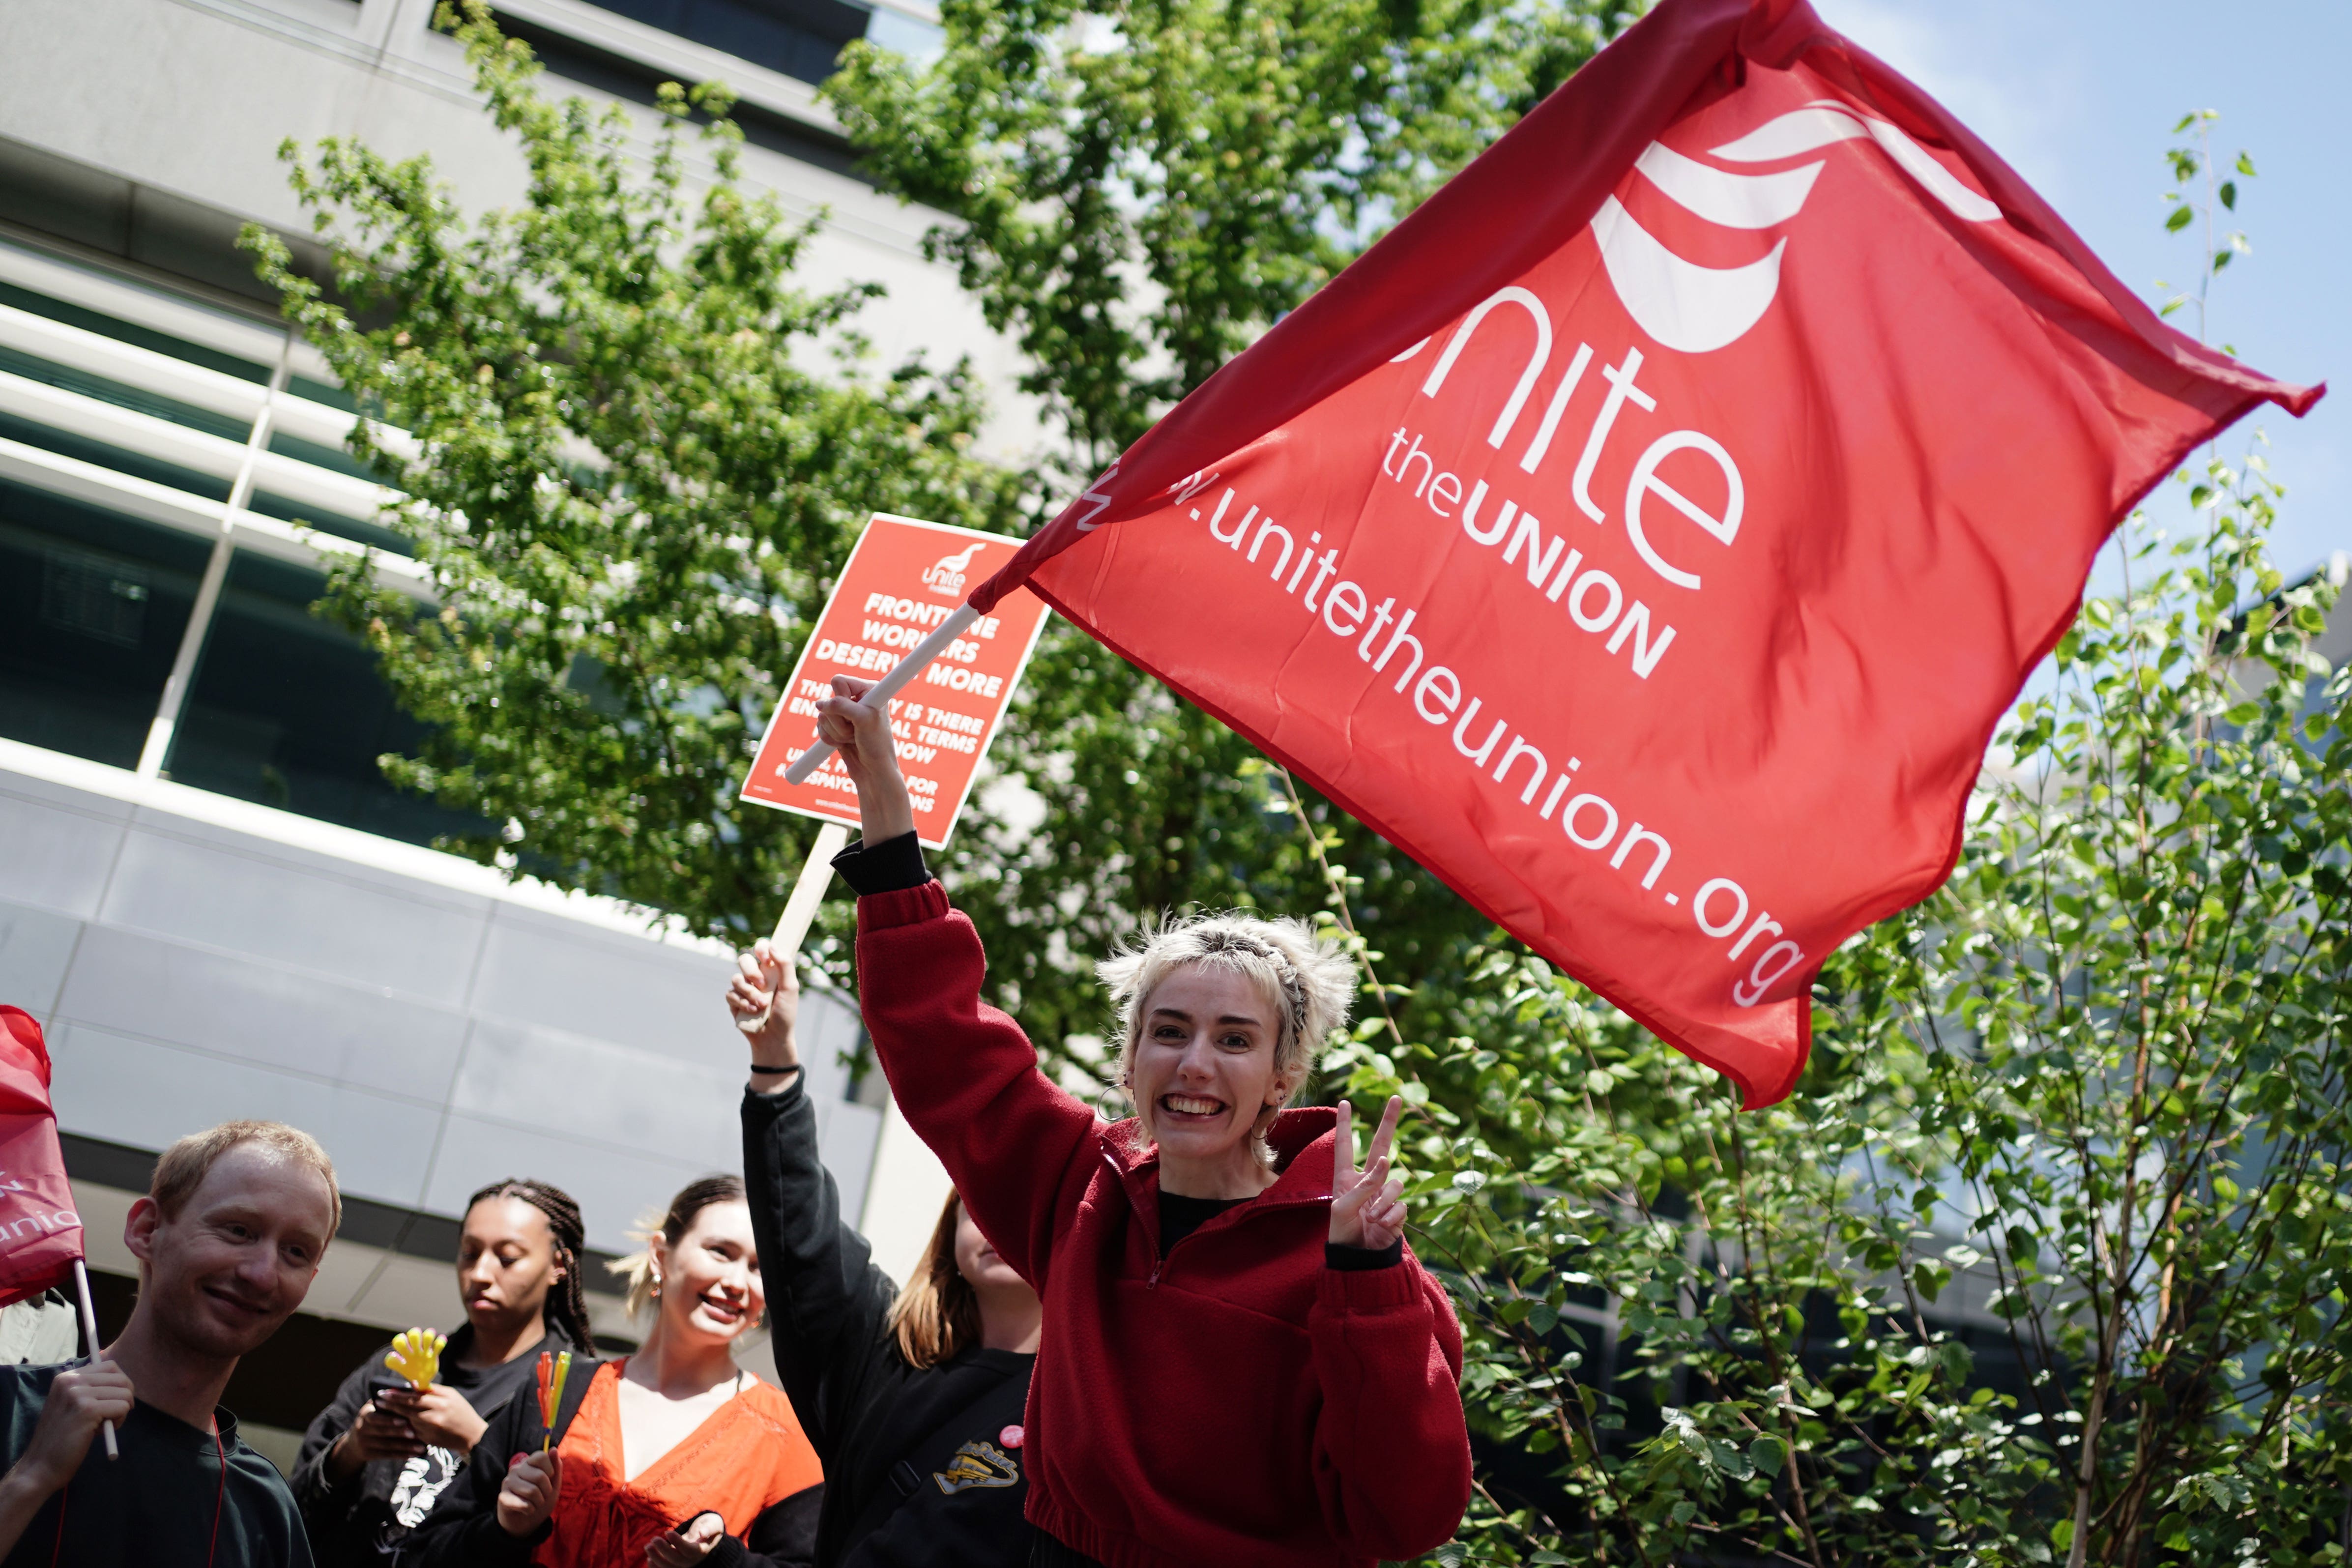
(1648, 533)
(40, 1234)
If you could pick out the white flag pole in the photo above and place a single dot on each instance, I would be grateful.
(816, 875)
(89, 1329)
(905, 670)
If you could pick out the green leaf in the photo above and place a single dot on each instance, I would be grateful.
(2181, 217)
(1767, 1453)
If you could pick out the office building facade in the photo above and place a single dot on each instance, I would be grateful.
(208, 893)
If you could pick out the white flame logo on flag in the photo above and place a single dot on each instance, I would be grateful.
(1697, 309)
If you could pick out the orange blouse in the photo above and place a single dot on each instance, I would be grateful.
(747, 1456)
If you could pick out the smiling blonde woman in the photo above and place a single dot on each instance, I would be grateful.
(670, 1457)
(1248, 1367)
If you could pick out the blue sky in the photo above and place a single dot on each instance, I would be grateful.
(2081, 97)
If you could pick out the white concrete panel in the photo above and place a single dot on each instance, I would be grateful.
(34, 946)
(845, 1140)
(829, 1029)
(342, 1272)
(103, 1212)
(148, 1096)
(56, 844)
(413, 1292)
(263, 1013)
(224, 891)
(651, 997)
(613, 1189)
(904, 1198)
(593, 1090)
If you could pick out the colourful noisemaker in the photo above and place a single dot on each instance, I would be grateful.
(416, 1355)
(553, 1371)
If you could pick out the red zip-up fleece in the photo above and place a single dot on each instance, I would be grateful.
(1236, 1403)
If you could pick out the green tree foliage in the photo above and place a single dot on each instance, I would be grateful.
(1141, 188)
(1137, 191)
(627, 487)
(2046, 1262)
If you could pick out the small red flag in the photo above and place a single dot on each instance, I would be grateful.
(40, 1233)
(1648, 533)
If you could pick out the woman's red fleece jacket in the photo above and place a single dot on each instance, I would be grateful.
(1236, 1403)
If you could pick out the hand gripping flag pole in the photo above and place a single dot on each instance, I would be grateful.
(890, 685)
(40, 1233)
(816, 871)
(903, 583)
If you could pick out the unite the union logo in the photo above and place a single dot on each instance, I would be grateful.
(945, 576)
(1696, 308)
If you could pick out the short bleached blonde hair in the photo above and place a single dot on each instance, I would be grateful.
(1309, 982)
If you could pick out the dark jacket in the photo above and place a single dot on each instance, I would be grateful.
(166, 1503)
(463, 1531)
(919, 1468)
(360, 1522)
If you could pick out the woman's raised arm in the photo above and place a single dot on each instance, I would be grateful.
(827, 1302)
(1019, 1150)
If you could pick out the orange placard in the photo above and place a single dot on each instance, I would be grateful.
(902, 579)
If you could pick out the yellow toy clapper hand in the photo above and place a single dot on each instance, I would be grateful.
(416, 1355)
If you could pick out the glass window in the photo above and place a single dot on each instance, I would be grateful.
(93, 605)
(287, 710)
(798, 37)
(122, 459)
(384, 538)
(124, 331)
(67, 378)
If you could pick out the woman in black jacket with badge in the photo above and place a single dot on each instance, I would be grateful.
(912, 1398)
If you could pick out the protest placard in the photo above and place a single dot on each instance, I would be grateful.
(903, 580)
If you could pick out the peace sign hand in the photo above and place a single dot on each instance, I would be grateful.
(1366, 1210)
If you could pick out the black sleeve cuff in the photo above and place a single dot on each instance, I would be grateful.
(785, 1089)
(885, 868)
(1362, 1259)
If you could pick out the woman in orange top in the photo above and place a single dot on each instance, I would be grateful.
(672, 1457)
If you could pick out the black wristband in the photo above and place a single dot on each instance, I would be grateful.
(775, 1072)
(884, 868)
(1362, 1259)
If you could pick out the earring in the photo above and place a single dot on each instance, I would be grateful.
(657, 1292)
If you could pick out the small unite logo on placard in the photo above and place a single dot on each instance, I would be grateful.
(945, 576)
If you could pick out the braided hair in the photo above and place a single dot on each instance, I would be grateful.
(567, 1301)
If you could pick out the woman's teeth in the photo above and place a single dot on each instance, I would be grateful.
(1185, 1104)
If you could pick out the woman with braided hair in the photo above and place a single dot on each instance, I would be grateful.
(1245, 1365)
(376, 1463)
